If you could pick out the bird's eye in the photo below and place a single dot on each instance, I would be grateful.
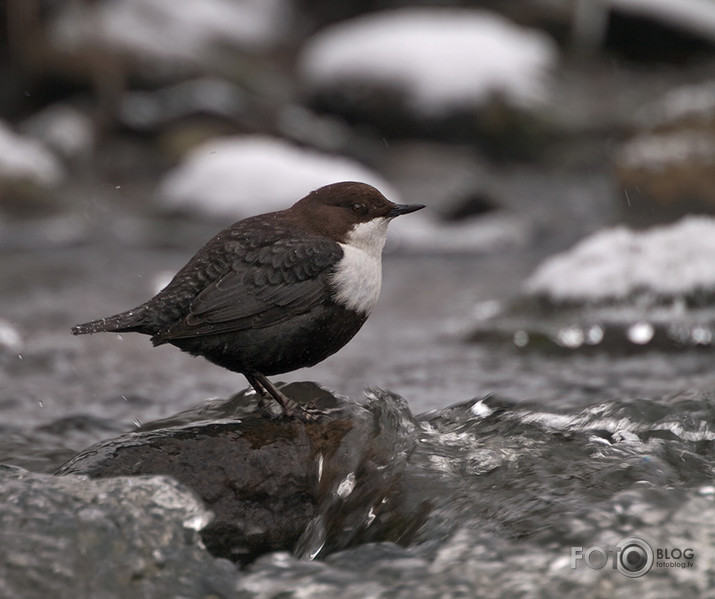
(359, 208)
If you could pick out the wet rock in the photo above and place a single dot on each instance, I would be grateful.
(683, 29)
(120, 537)
(274, 483)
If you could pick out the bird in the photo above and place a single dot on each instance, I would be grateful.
(275, 292)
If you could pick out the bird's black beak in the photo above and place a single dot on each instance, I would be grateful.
(398, 209)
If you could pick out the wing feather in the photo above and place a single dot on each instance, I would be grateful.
(264, 286)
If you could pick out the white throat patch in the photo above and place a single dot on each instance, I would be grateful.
(358, 277)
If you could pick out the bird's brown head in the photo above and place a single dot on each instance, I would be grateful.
(337, 211)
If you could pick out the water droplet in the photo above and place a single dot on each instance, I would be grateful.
(521, 338)
(196, 522)
(40, 403)
(571, 337)
(137, 422)
(320, 467)
(481, 409)
(487, 309)
(594, 335)
(701, 335)
(640, 333)
(346, 486)
(9, 335)
(370, 517)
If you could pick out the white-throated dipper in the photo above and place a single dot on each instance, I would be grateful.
(275, 292)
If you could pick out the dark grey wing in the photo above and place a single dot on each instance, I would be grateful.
(264, 286)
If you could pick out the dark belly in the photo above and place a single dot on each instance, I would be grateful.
(301, 341)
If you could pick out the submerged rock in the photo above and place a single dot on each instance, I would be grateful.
(275, 483)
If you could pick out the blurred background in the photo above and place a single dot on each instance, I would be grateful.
(132, 130)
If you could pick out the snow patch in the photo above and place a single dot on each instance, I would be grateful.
(236, 177)
(615, 263)
(444, 59)
(63, 128)
(25, 159)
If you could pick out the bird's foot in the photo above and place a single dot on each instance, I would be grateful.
(309, 412)
(291, 408)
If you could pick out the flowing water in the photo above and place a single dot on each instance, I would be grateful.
(525, 459)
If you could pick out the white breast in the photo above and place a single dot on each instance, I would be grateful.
(358, 276)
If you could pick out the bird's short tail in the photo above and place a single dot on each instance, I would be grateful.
(119, 323)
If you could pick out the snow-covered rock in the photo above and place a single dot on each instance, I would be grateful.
(661, 152)
(441, 60)
(668, 165)
(235, 177)
(167, 29)
(618, 263)
(23, 159)
(617, 290)
(63, 128)
(683, 105)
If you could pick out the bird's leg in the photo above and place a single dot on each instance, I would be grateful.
(290, 407)
(264, 398)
